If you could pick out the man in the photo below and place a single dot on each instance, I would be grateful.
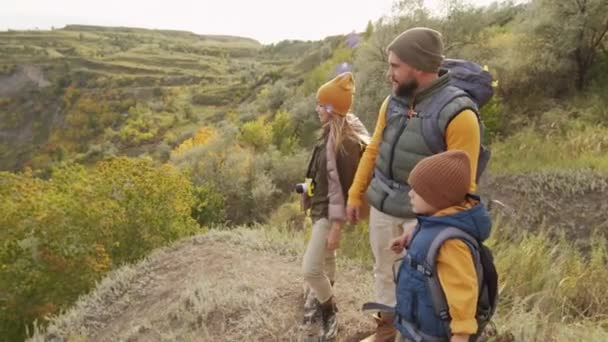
(398, 144)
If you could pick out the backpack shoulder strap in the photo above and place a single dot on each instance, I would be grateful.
(434, 135)
(440, 303)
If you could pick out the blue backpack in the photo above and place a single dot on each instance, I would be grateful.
(473, 82)
(487, 279)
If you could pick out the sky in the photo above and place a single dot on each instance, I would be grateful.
(267, 21)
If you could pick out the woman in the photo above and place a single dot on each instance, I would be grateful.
(332, 168)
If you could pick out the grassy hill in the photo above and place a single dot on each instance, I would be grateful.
(72, 91)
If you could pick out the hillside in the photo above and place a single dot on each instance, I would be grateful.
(223, 286)
(86, 92)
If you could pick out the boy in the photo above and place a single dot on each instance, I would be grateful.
(440, 197)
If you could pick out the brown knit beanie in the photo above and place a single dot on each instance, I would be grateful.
(442, 180)
(419, 47)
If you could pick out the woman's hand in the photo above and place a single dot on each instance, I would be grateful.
(335, 234)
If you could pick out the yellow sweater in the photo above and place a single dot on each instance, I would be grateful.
(458, 279)
(462, 133)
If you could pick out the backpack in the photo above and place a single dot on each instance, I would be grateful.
(474, 82)
(486, 275)
(487, 278)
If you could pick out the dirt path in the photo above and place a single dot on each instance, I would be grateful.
(210, 288)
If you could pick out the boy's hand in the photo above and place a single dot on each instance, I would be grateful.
(459, 338)
(398, 244)
(335, 233)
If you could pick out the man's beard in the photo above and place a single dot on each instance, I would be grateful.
(407, 88)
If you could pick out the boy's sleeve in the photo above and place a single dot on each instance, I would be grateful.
(462, 133)
(368, 160)
(458, 279)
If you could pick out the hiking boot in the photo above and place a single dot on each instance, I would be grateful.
(385, 330)
(312, 308)
(329, 328)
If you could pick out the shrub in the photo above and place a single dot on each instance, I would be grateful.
(61, 235)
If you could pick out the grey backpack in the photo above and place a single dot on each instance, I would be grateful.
(487, 278)
(473, 82)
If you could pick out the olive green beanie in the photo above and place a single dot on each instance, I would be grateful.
(419, 47)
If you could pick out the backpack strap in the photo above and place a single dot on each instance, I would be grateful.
(440, 303)
(433, 135)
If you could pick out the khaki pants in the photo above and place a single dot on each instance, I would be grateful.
(383, 229)
(319, 264)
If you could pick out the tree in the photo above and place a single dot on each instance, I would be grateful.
(256, 134)
(277, 95)
(369, 30)
(283, 131)
(574, 31)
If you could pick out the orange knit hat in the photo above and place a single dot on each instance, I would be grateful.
(337, 94)
(442, 180)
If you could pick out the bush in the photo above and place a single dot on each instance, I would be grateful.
(60, 236)
(277, 95)
(283, 132)
(288, 215)
(263, 194)
(493, 119)
(209, 208)
(256, 134)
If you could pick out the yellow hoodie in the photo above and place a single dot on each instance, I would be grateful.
(458, 278)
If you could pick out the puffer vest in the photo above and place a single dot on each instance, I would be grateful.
(403, 145)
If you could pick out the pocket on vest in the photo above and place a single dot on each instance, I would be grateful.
(399, 205)
(406, 305)
(375, 195)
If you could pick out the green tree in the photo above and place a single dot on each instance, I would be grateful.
(283, 132)
(573, 32)
(256, 134)
(369, 30)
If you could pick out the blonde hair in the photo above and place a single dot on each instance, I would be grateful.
(341, 127)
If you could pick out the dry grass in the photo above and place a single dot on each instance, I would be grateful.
(239, 285)
(550, 289)
(569, 202)
(565, 144)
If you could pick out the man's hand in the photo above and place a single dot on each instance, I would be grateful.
(459, 338)
(353, 213)
(398, 244)
(335, 233)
